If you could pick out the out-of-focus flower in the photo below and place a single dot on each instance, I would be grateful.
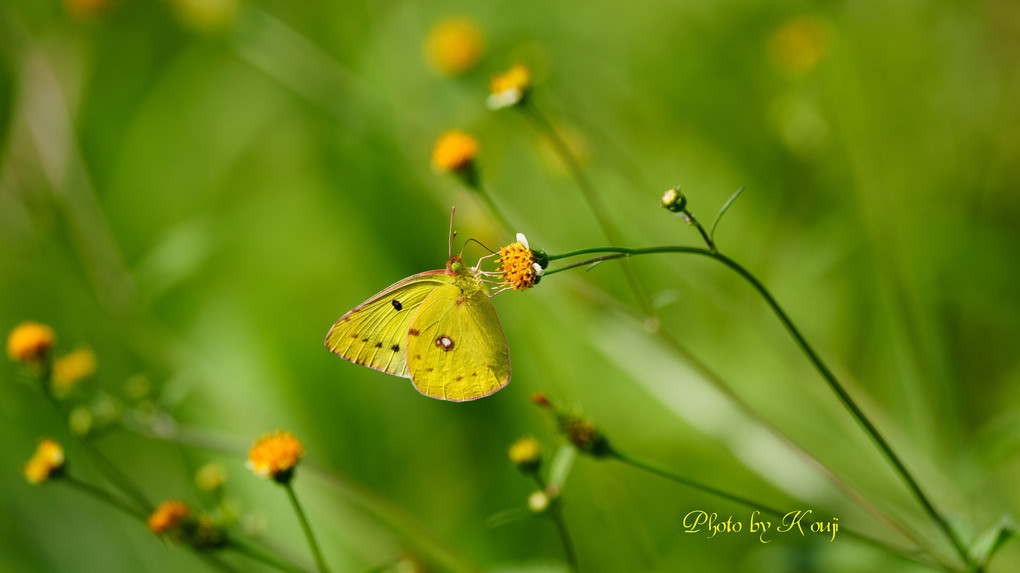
(70, 369)
(30, 342)
(210, 477)
(47, 462)
(454, 45)
(454, 152)
(86, 8)
(538, 501)
(206, 15)
(510, 87)
(799, 44)
(526, 454)
(275, 455)
(168, 517)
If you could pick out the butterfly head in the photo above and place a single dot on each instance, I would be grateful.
(456, 266)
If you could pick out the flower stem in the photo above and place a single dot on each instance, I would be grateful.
(320, 563)
(546, 128)
(103, 495)
(556, 515)
(844, 397)
(257, 553)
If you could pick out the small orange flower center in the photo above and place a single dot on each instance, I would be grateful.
(168, 516)
(275, 453)
(454, 151)
(518, 266)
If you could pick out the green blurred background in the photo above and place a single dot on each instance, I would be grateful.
(197, 190)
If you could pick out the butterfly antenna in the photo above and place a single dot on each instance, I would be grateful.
(480, 244)
(452, 232)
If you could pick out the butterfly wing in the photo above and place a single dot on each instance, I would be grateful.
(374, 333)
(456, 349)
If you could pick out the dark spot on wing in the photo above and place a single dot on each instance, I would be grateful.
(395, 348)
(457, 379)
(417, 356)
(444, 342)
(364, 339)
(378, 344)
(413, 332)
(396, 304)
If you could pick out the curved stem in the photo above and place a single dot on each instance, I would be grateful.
(257, 553)
(556, 514)
(104, 496)
(320, 563)
(844, 397)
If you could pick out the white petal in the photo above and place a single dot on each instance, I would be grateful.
(523, 240)
(505, 98)
(539, 271)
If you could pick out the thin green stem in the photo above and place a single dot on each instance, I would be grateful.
(243, 547)
(495, 211)
(104, 464)
(827, 375)
(697, 224)
(546, 128)
(556, 515)
(740, 500)
(103, 496)
(320, 563)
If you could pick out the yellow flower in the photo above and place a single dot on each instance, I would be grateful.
(211, 476)
(799, 45)
(86, 8)
(46, 462)
(30, 342)
(454, 45)
(510, 87)
(526, 454)
(70, 369)
(206, 15)
(455, 151)
(275, 455)
(169, 516)
(521, 267)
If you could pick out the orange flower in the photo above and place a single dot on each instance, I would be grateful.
(46, 462)
(275, 455)
(454, 45)
(455, 151)
(520, 268)
(170, 515)
(30, 342)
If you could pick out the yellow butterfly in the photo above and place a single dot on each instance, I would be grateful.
(437, 328)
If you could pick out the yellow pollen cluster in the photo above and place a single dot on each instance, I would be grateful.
(168, 516)
(454, 151)
(274, 454)
(48, 458)
(516, 78)
(69, 370)
(30, 342)
(453, 46)
(518, 266)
